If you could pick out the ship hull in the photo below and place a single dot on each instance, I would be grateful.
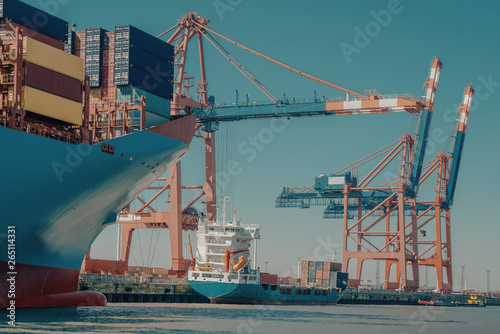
(41, 286)
(244, 293)
(58, 197)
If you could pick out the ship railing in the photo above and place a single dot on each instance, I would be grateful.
(224, 243)
(98, 278)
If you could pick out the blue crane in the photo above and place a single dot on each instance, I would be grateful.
(329, 189)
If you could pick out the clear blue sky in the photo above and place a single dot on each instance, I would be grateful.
(395, 60)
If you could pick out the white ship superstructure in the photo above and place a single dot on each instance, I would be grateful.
(224, 251)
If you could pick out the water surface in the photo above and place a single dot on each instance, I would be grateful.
(206, 318)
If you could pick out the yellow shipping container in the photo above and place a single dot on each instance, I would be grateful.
(46, 104)
(54, 59)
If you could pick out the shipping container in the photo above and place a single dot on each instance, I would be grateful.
(93, 63)
(53, 82)
(305, 265)
(310, 281)
(335, 266)
(132, 56)
(132, 76)
(341, 275)
(311, 274)
(319, 265)
(326, 266)
(154, 104)
(80, 44)
(129, 35)
(94, 37)
(34, 19)
(326, 282)
(11, 26)
(318, 281)
(333, 275)
(312, 265)
(284, 280)
(57, 60)
(53, 106)
(109, 40)
(69, 46)
(266, 278)
(319, 274)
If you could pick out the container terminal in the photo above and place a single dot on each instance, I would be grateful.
(108, 94)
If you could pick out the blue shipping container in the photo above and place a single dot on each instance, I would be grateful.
(125, 76)
(34, 19)
(129, 35)
(133, 56)
(94, 37)
(93, 63)
(69, 46)
(154, 104)
(342, 276)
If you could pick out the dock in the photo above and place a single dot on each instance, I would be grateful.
(130, 289)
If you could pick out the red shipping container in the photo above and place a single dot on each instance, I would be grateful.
(52, 82)
(36, 35)
(268, 278)
(319, 281)
(305, 265)
(284, 280)
(326, 266)
(335, 266)
(319, 274)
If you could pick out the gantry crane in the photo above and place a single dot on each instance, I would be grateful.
(210, 115)
(328, 190)
(437, 253)
(349, 199)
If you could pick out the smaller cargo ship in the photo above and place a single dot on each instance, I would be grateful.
(225, 273)
(436, 301)
(473, 301)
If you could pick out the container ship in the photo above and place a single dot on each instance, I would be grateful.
(84, 129)
(225, 272)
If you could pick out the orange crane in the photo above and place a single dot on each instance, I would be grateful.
(192, 26)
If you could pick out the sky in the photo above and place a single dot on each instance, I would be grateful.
(386, 45)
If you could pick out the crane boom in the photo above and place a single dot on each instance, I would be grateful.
(337, 107)
(458, 144)
(423, 127)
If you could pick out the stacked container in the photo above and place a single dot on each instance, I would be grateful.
(36, 21)
(79, 44)
(320, 273)
(52, 78)
(94, 40)
(143, 61)
(108, 69)
(69, 46)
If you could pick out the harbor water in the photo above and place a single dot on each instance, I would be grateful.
(208, 318)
